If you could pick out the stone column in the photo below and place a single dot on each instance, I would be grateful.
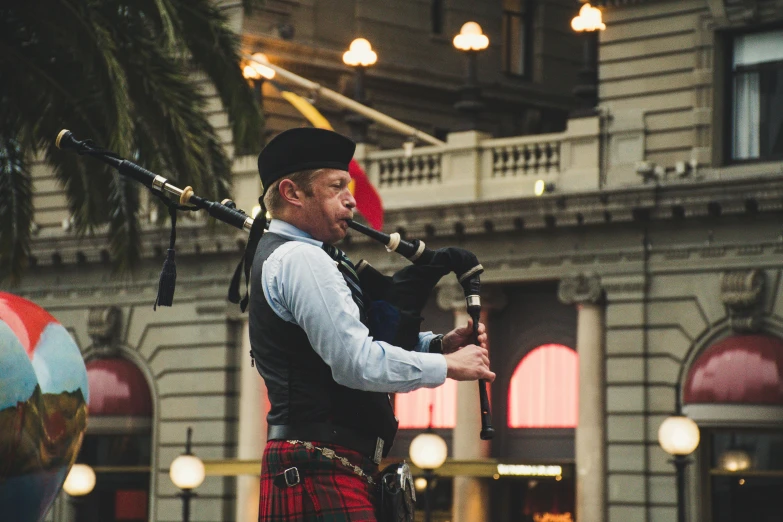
(471, 494)
(586, 293)
(252, 430)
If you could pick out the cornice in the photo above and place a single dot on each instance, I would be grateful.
(672, 201)
(495, 230)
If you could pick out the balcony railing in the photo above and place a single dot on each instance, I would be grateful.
(473, 167)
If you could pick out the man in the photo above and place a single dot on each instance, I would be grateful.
(328, 381)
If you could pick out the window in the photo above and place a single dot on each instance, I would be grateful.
(436, 16)
(544, 390)
(757, 96)
(516, 37)
(746, 474)
(413, 408)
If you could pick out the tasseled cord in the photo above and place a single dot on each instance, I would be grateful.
(256, 231)
(168, 275)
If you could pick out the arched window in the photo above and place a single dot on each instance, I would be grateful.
(544, 390)
(413, 408)
(118, 434)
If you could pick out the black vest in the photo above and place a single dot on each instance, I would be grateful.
(299, 383)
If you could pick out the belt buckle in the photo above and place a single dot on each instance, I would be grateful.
(378, 455)
(291, 476)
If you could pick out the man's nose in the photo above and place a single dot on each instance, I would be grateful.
(350, 201)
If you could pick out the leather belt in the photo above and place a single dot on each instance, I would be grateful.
(329, 433)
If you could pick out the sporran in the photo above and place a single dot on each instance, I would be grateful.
(397, 495)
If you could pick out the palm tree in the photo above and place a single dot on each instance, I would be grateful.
(125, 73)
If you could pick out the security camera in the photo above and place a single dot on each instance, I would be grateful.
(649, 171)
(645, 167)
(686, 168)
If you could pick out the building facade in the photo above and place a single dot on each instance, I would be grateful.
(648, 271)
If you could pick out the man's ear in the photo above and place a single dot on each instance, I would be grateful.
(290, 192)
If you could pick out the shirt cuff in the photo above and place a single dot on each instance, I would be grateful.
(424, 342)
(433, 367)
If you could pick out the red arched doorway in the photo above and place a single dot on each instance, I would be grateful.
(544, 389)
(735, 391)
(118, 439)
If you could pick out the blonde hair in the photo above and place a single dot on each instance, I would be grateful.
(303, 179)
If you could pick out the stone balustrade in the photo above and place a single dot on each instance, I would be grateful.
(472, 166)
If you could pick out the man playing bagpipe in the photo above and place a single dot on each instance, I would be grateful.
(331, 419)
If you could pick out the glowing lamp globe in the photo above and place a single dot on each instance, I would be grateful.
(589, 19)
(734, 460)
(80, 480)
(187, 472)
(428, 451)
(360, 53)
(253, 70)
(471, 38)
(678, 435)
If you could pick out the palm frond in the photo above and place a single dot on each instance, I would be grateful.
(115, 72)
(218, 57)
(16, 209)
(170, 103)
(124, 228)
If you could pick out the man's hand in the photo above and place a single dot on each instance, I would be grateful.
(459, 337)
(469, 364)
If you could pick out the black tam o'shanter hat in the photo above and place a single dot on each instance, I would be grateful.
(294, 150)
(304, 148)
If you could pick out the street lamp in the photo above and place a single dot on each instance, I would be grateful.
(471, 41)
(360, 56)
(428, 452)
(79, 483)
(256, 72)
(679, 436)
(590, 22)
(187, 473)
(80, 480)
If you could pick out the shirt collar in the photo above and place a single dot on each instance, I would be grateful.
(285, 229)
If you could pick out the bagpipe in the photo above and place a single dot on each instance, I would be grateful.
(396, 302)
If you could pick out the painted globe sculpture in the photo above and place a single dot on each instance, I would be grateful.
(43, 408)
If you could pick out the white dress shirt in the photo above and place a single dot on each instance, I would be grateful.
(303, 286)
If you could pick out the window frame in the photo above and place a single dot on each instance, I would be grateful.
(728, 97)
(527, 15)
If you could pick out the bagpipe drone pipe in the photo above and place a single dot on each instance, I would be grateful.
(396, 301)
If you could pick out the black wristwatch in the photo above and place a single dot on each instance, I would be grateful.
(436, 344)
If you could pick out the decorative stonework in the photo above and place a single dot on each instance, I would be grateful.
(583, 288)
(104, 324)
(742, 293)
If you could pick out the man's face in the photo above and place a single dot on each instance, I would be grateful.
(330, 206)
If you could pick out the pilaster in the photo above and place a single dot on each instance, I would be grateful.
(586, 293)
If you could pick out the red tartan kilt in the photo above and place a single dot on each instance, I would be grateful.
(328, 492)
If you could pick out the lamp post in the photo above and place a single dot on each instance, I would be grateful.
(257, 72)
(679, 436)
(360, 56)
(187, 473)
(590, 22)
(471, 41)
(79, 482)
(428, 452)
